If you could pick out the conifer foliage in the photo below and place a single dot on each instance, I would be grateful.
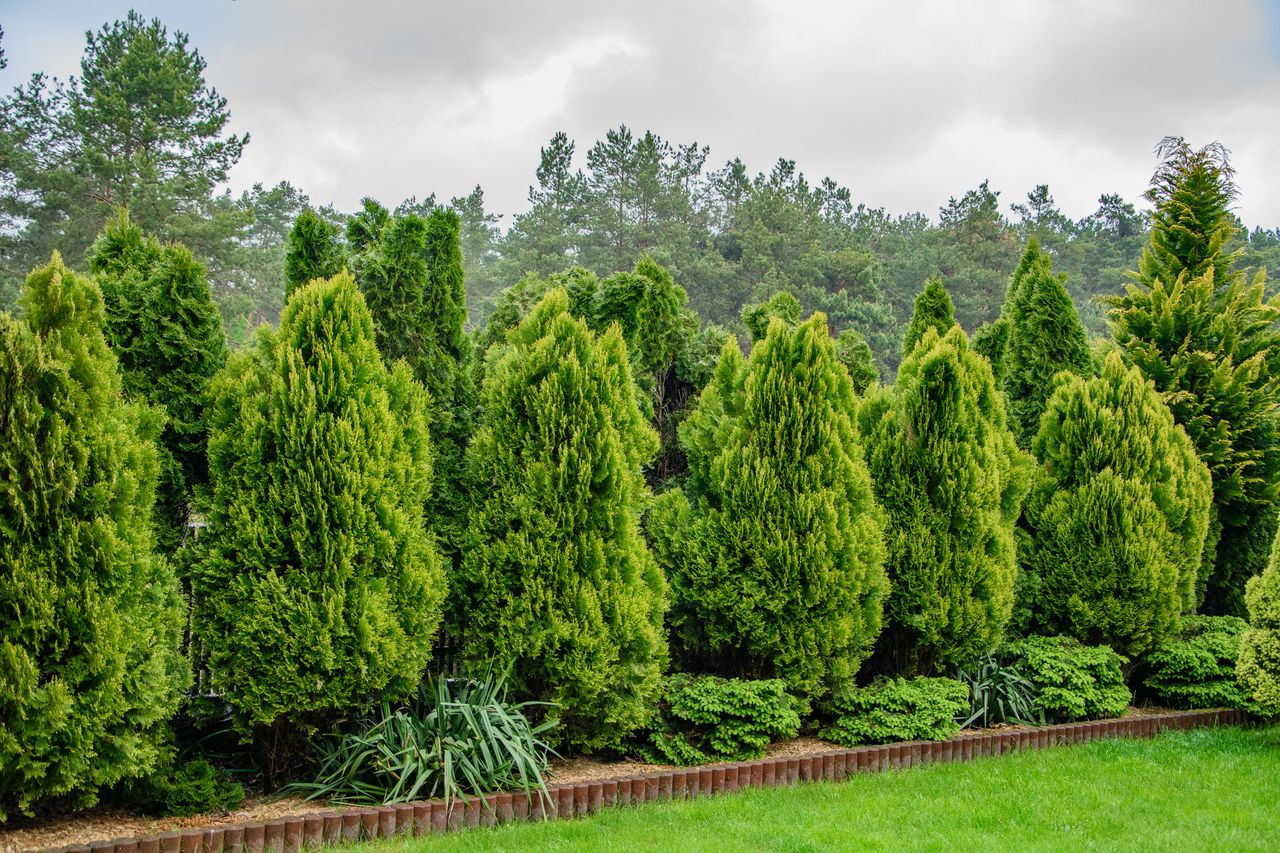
(312, 251)
(556, 581)
(1118, 522)
(951, 479)
(774, 549)
(317, 583)
(89, 614)
(1259, 664)
(933, 310)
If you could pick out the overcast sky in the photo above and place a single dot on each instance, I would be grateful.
(906, 103)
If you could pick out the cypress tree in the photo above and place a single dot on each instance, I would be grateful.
(89, 613)
(1045, 336)
(1258, 667)
(757, 316)
(317, 582)
(774, 550)
(932, 310)
(556, 583)
(951, 480)
(1119, 519)
(853, 351)
(1210, 340)
(167, 334)
(311, 251)
(991, 341)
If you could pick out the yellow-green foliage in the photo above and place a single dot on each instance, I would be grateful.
(774, 549)
(89, 614)
(318, 583)
(1259, 664)
(556, 582)
(951, 480)
(1118, 521)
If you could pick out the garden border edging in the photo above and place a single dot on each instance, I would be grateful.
(576, 799)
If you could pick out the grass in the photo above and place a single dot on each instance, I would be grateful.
(1209, 789)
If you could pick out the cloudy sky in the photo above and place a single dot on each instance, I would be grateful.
(906, 103)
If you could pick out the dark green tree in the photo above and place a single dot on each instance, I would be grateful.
(933, 310)
(991, 341)
(312, 251)
(556, 582)
(774, 547)
(1118, 521)
(1210, 340)
(951, 479)
(317, 583)
(90, 615)
(855, 354)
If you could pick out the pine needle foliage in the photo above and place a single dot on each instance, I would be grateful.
(933, 310)
(1118, 522)
(317, 583)
(774, 547)
(89, 613)
(951, 479)
(1210, 340)
(555, 583)
(311, 251)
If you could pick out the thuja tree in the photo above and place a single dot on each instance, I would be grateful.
(773, 550)
(1258, 667)
(1210, 340)
(1045, 337)
(311, 251)
(1118, 521)
(932, 310)
(556, 584)
(167, 334)
(89, 614)
(951, 480)
(317, 583)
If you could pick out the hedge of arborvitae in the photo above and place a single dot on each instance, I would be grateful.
(89, 612)
(1259, 663)
(317, 582)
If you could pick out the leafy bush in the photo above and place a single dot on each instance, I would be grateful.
(457, 737)
(999, 694)
(191, 787)
(1197, 669)
(1073, 681)
(897, 709)
(1259, 664)
(706, 718)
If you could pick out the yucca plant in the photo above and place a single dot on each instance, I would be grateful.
(457, 737)
(999, 694)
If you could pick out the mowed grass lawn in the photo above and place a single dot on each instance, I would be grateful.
(1212, 789)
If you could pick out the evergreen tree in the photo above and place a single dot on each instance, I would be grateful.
(933, 310)
(855, 354)
(1258, 667)
(555, 581)
(1210, 341)
(89, 613)
(991, 341)
(757, 316)
(317, 583)
(774, 550)
(168, 336)
(312, 251)
(951, 479)
(1118, 521)
(1045, 336)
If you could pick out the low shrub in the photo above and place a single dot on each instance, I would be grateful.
(897, 709)
(999, 694)
(1073, 681)
(706, 718)
(1259, 666)
(457, 737)
(1197, 668)
(188, 788)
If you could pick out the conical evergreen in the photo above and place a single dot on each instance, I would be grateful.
(758, 315)
(1259, 664)
(317, 583)
(932, 310)
(853, 351)
(1045, 337)
(951, 479)
(1118, 522)
(556, 582)
(991, 341)
(89, 614)
(1211, 343)
(774, 551)
(167, 333)
(312, 251)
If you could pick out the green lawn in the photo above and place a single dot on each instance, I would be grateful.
(1211, 789)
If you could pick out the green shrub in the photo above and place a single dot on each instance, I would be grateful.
(1073, 681)
(1197, 668)
(897, 709)
(311, 251)
(190, 787)
(1259, 664)
(932, 310)
(999, 694)
(90, 615)
(456, 738)
(706, 718)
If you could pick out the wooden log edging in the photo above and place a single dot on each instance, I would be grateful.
(569, 800)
